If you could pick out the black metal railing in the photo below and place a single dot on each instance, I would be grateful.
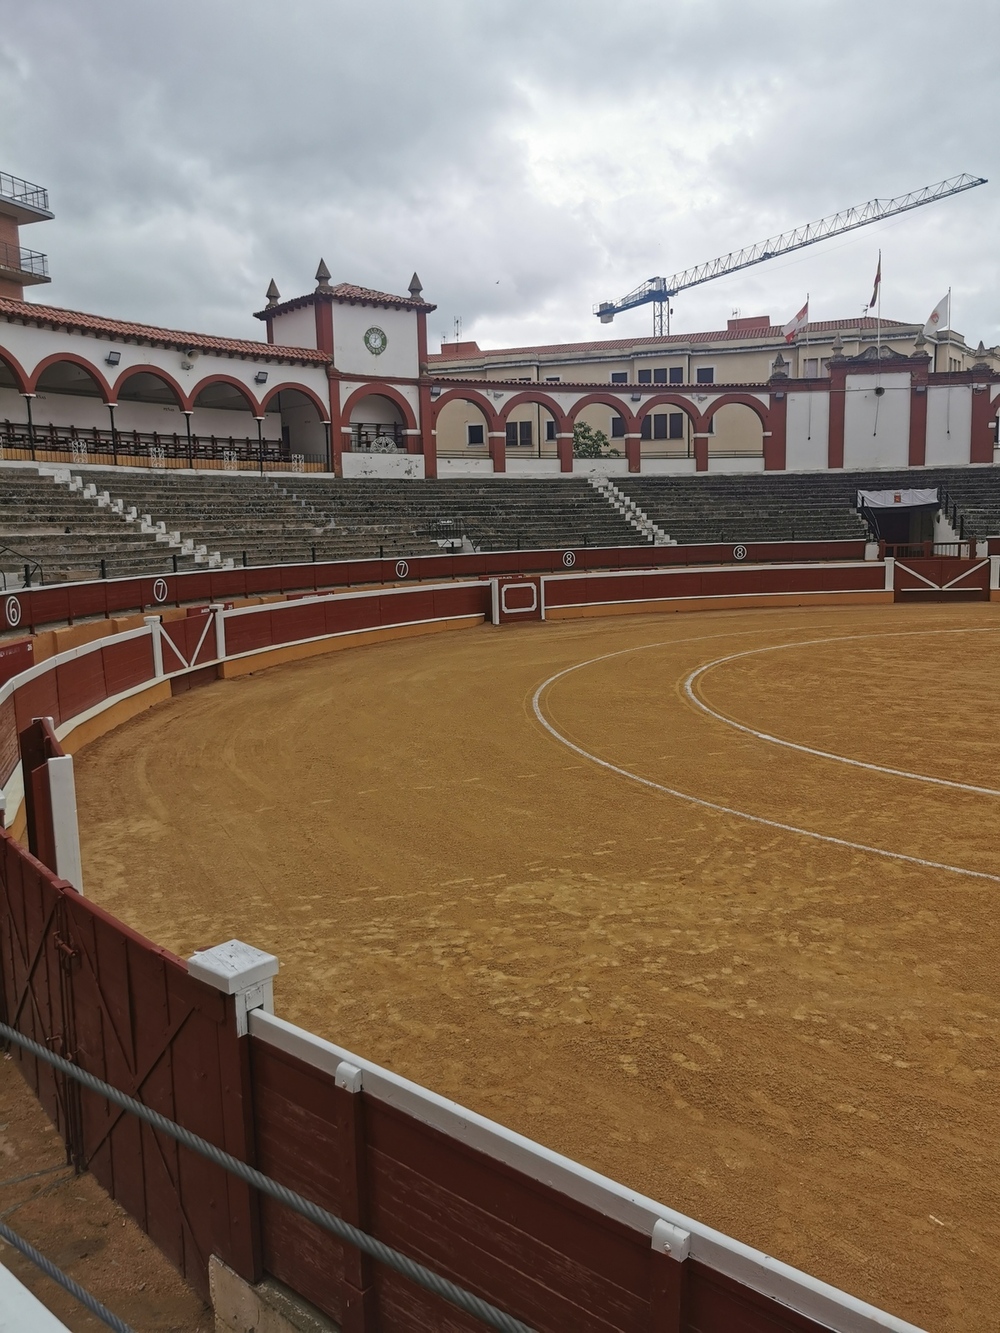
(19, 260)
(13, 187)
(83, 446)
(30, 567)
(377, 438)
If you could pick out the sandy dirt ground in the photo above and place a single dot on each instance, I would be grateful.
(74, 1223)
(793, 1040)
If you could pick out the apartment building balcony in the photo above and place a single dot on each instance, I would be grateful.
(27, 267)
(23, 201)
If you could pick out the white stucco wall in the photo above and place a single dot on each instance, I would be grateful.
(350, 355)
(399, 466)
(807, 431)
(949, 424)
(295, 328)
(888, 446)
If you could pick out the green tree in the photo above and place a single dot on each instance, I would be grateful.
(591, 443)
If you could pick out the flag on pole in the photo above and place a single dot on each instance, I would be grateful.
(797, 323)
(939, 316)
(878, 282)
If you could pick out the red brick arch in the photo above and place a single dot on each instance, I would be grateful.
(605, 400)
(473, 396)
(72, 359)
(528, 396)
(159, 374)
(380, 391)
(746, 400)
(322, 408)
(241, 388)
(698, 421)
(16, 369)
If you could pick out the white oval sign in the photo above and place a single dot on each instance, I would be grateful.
(739, 552)
(402, 569)
(569, 559)
(160, 590)
(12, 609)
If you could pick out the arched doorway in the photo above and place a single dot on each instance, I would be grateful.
(227, 429)
(666, 428)
(531, 425)
(293, 416)
(377, 426)
(463, 428)
(735, 430)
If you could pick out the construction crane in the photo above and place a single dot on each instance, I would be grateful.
(659, 291)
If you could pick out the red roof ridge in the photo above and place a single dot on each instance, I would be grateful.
(124, 329)
(345, 291)
(865, 323)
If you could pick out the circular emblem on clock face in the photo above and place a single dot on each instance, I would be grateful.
(375, 341)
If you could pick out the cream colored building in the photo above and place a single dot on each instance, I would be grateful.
(743, 353)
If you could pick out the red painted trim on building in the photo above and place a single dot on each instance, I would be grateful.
(917, 443)
(983, 411)
(161, 375)
(74, 360)
(270, 331)
(16, 369)
(732, 399)
(336, 420)
(466, 396)
(685, 405)
(606, 399)
(242, 389)
(775, 443)
(838, 408)
(323, 311)
(311, 394)
(383, 391)
(539, 400)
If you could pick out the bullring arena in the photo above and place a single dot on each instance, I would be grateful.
(614, 883)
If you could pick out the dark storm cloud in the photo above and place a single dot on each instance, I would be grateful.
(527, 159)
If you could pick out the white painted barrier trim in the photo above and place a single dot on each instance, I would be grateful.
(20, 1311)
(341, 634)
(770, 1277)
(59, 659)
(312, 599)
(65, 824)
(707, 569)
(711, 597)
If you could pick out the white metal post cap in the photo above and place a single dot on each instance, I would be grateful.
(233, 966)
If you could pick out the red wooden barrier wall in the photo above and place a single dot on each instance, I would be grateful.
(66, 603)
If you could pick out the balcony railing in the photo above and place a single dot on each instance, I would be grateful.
(377, 438)
(19, 260)
(12, 187)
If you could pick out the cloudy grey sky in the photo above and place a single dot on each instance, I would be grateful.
(527, 157)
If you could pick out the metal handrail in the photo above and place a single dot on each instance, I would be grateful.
(31, 567)
(13, 187)
(19, 260)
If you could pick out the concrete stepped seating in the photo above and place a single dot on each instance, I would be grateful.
(68, 536)
(499, 514)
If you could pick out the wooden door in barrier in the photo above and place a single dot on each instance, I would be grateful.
(516, 598)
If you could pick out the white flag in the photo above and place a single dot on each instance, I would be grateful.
(938, 318)
(796, 324)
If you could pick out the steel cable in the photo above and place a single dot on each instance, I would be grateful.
(65, 1281)
(375, 1249)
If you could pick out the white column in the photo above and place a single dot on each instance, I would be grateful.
(65, 824)
(220, 629)
(238, 969)
(153, 622)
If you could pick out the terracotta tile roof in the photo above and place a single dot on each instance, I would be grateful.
(78, 322)
(865, 324)
(349, 292)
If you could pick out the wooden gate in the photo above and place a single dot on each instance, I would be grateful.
(82, 983)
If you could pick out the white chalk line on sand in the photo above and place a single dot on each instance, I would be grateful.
(700, 703)
(716, 806)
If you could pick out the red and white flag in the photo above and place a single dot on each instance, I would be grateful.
(796, 324)
(939, 316)
(878, 282)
